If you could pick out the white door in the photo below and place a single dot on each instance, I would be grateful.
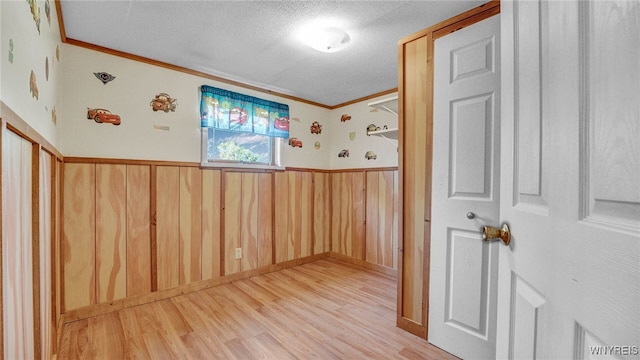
(569, 283)
(466, 189)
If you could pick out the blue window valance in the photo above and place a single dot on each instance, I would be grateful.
(227, 110)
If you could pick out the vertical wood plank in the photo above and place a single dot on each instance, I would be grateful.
(294, 230)
(56, 227)
(190, 224)
(265, 219)
(386, 220)
(17, 292)
(336, 212)
(111, 211)
(281, 216)
(348, 215)
(372, 235)
(167, 226)
(78, 238)
(381, 214)
(211, 212)
(249, 221)
(414, 134)
(358, 196)
(232, 220)
(3, 153)
(153, 210)
(59, 282)
(305, 205)
(48, 328)
(138, 230)
(36, 244)
(396, 218)
(321, 212)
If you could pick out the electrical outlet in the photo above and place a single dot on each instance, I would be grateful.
(238, 253)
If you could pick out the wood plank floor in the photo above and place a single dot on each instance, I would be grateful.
(323, 310)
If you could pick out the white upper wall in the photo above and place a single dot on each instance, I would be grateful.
(22, 50)
(143, 135)
(129, 96)
(362, 116)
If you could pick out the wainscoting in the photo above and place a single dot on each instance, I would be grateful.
(30, 197)
(136, 231)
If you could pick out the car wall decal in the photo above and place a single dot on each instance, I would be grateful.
(316, 128)
(104, 77)
(295, 142)
(317, 145)
(33, 85)
(352, 135)
(11, 51)
(164, 102)
(343, 153)
(54, 116)
(47, 11)
(35, 11)
(345, 117)
(103, 116)
(370, 155)
(372, 127)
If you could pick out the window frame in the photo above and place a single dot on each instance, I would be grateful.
(276, 155)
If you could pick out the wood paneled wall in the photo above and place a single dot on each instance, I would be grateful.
(365, 216)
(294, 215)
(248, 220)
(106, 232)
(382, 220)
(348, 215)
(48, 323)
(415, 155)
(19, 325)
(132, 228)
(30, 198)
(321, 212)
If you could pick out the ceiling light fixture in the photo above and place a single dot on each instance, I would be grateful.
(326, 39)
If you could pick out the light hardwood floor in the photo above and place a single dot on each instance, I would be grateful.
(323, 310)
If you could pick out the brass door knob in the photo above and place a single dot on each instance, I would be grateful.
(490, 233)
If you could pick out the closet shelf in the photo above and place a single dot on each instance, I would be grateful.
(386, 133)
(389, 104)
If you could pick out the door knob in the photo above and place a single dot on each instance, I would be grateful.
(490, 233)
(471, 215)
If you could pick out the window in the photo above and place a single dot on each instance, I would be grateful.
(226, 148)
(241, 130)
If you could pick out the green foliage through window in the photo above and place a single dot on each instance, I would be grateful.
(229, 150)
(231, 146)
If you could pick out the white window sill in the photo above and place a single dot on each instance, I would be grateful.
(222, 165)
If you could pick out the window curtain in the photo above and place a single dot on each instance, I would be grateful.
(227, 110)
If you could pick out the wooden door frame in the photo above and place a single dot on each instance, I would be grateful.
(431, 33)
(13, 123)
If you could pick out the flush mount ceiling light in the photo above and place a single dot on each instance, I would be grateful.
(325, 39)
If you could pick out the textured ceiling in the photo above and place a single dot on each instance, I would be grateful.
(256, 42)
